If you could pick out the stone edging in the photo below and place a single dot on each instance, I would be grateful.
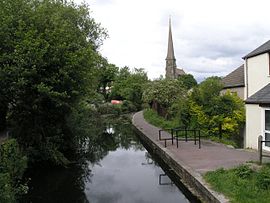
(193, 180)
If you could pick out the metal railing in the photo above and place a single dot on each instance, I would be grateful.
(166, 138)
(175, 135)
(260, 148)
(196, 135)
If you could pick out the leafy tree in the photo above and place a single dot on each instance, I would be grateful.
(129, 86)
(107, 77)
(165, 93)
(188, 81)
(217, 114)
(48, 62)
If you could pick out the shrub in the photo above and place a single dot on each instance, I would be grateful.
(243, 171)
(263, 178)
(12, 167)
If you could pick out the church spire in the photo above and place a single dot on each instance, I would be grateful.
(170, 52)
(170, 59)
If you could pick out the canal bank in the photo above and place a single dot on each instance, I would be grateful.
(189, 162)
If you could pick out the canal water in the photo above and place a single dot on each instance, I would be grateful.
(115, 168)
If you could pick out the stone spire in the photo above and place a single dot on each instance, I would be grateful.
(170, 59)
(170, 52)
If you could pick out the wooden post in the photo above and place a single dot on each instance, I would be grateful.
(260, 148)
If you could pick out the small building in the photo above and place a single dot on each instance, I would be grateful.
(257, 92)
(172, 71)
(235, 82)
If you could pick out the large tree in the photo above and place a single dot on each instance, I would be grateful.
(129, 85)
(48, 61)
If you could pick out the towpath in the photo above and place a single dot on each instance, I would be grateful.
(210, 157)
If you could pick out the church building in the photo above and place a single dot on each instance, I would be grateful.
(172, 72)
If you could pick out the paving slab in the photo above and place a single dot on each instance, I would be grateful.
(210, 157)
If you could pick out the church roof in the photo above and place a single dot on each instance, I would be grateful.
(260, 97)
(170, 52)
(264, 48)
(235, 79)
(179, 71)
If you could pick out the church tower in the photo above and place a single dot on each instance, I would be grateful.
(172, 71)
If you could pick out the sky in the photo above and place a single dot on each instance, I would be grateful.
(210, 37)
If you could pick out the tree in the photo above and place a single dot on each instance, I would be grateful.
(129, 86)
(217, 114)
(164, 93)
(188, 81)
(48, 62)
(106, 78)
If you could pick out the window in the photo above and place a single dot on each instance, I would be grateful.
(267, 127)
(269, 63)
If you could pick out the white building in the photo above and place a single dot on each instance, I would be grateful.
(257, 94)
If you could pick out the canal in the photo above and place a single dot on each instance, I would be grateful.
(113, 166)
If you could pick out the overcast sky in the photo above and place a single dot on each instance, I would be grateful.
(210, 36)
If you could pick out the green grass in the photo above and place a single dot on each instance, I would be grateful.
(153, 118)
(242, 184)
(223, 141)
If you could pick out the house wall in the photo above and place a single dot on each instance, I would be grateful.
(238, 90)
(253, 125)
(257, 69)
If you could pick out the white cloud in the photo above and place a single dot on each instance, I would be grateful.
(210, 36)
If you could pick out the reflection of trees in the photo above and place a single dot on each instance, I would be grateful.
(68, 184)
(58, 185)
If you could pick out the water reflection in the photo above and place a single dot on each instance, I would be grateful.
(112, 166)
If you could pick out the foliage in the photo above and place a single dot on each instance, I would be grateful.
(129, 86)
(162, 96)
(49, 61)
(107, 77)
(188, 81)
(165, 92)
(152, 117)
(203, 107)
(217, 114)
(263, 178)
(12, 167)
(242, 184)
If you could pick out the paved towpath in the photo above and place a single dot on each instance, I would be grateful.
(210, 157)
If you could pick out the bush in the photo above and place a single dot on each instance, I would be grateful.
(12, 167)
(263, 178)
(128, 106)
(243, 171)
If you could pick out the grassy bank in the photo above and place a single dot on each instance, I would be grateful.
(153, 118)
(244, 184)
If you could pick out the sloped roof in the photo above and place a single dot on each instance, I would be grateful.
(179, 71)
(260, 97)
(260, 50)
(235, 79)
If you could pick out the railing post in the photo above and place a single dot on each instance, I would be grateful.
(195, 138)
(260, 148)
(172, 135)
(199, 139)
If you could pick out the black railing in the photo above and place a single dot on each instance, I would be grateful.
(165, 138)
(260, 148)
(175, 135)
(186, 132)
